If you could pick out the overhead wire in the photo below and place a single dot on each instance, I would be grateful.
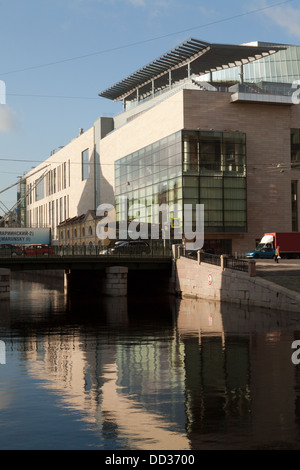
(54, 96)
(270, 165)
(136, 43)
(257, 10)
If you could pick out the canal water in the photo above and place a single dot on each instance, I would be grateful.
(144, 373)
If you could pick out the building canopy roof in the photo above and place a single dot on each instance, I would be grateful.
(203, 58)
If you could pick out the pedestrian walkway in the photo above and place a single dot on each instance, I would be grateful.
(286, 273)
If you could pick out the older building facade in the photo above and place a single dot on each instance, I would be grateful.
(79, 234)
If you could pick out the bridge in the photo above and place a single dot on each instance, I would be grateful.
(86, 262)
(111, 271)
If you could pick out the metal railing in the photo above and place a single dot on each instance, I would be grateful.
(229, 262)
(73, 251)
(281, 89)
(210, 258)
(237, 264)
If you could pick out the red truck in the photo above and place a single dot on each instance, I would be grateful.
(289, 243)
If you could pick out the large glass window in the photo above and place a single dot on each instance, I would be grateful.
(210, 152)
(151, 175)
(85, 164)
(295, 148)
(61, 209)
(40, 189)
(221, 184)
(54, 180)
(64, 175)
(190, 153)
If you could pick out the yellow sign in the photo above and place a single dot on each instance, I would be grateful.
(175, 223)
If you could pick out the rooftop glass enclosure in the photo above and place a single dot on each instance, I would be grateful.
(282, 67)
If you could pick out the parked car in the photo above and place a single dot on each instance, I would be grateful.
(37, 250)
(130, 247)
(265, 252)
(10, 250)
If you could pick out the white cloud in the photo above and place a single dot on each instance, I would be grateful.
(8, 119)
(286, 17)
(151, 3)
(138, 3)
(78, 5)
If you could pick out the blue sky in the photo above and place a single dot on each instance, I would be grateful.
(57, 56)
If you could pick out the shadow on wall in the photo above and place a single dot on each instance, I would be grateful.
(96, 185)
(87, 201)
(106, 188)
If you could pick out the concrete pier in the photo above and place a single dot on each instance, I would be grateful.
(116, 281)
(4, 284)
(67, 281)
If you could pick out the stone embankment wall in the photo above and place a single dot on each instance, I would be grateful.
(207, 281)
(4, 284)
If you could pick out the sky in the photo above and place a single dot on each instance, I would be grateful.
(55, 58)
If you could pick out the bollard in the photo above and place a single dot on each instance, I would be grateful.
(223, 262)
(252, 268)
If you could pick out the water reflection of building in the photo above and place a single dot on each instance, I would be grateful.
(214, 376)
(239, 382)
(145, 425)
(127, 388)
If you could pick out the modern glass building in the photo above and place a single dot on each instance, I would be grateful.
(206, 161)
(205, 124)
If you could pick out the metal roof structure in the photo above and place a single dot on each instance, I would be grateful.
(189, 58)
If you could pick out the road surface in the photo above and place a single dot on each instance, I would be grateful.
(286, 273)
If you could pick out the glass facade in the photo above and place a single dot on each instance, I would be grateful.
(214, 174)
(283, 67)
(189, 167)
(152, 175)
